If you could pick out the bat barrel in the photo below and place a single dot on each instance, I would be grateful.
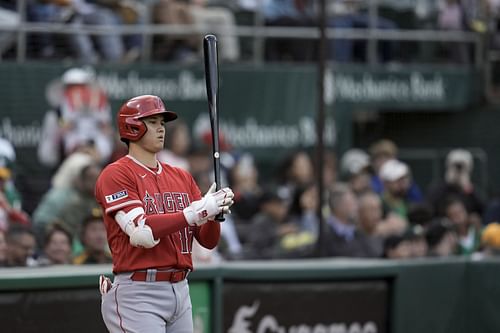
(212, 82)
(211, 67)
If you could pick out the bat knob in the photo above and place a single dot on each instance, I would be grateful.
(210, 38)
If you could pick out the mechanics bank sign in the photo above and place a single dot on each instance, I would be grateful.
(399, 89)
(369, 88)
(318, 307)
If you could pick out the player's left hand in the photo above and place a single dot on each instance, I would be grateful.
(212, 204)
(224, 198)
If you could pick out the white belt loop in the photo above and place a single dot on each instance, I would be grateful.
(151, 275)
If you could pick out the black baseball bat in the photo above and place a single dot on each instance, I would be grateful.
(212, 81)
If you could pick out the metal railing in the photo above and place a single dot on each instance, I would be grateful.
(258, 32)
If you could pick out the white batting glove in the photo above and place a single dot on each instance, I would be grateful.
(224, 198)
(213, 203)
(104, 284)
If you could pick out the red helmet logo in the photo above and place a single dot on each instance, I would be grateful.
(130, 125)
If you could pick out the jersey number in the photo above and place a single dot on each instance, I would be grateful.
(186, 237)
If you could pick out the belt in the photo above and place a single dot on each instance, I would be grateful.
(153, 275)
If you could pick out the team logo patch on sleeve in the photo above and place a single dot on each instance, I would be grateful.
(116, 196)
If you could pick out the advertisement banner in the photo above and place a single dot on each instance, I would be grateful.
(408, 89)
(65, 310)
(267, 111)
(312, 307)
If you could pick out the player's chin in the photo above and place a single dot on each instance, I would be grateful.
(158, 146)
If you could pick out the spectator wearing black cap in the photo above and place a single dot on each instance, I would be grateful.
(267, 227)
(397, 247)
(416, 235)
(408, 245)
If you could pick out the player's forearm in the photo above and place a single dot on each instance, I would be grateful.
(209, 234)
(166, 224)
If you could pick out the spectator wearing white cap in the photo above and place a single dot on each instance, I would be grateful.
(86, 113)
(81, 120)
(457, 182)
(380, 152)
(396, 177)
(354, 166)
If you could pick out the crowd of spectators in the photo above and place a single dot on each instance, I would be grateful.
(373, 207)
(222, 17)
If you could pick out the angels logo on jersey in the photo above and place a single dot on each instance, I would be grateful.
(166, 202)
(149, 204)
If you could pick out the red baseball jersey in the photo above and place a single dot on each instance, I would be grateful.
(127, 184)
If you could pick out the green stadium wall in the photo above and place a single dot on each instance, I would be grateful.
(452, 295)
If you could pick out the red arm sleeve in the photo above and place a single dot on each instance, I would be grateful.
(176, 222)
(208, 234)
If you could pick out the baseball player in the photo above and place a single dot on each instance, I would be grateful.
(152, 211)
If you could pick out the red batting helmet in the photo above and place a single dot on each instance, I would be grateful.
(129, 117)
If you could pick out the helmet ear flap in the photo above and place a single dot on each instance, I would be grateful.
(134, 128)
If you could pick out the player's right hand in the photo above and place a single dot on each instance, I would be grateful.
(213, 203)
